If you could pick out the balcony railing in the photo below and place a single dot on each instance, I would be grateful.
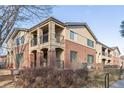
(109, 55)
(34, 41)
(44, 38)
(104, 53)
(59, 38)
(60, 64)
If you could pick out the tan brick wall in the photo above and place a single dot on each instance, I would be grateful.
(82, 53)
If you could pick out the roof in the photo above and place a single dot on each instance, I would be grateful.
(57, 21)
(81, 24)
(74, 24)
(13, 31)
(65, 24)
(47, 20)
(116, 47)
(104, 45)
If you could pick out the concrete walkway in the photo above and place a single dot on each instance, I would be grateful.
(118, 84)
(6, 79)
(5, 72)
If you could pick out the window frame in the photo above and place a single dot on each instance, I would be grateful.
(88, 60)
(72, 54)
(20, 40)
(90, 43)
(73, 35)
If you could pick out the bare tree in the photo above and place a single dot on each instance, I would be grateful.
(12, 15)
(122, 29)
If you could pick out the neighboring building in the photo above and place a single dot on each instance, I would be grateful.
(53, 43)
(107, 56)
(3, 60)
(104, 54)
(116, 56)
(122, 60)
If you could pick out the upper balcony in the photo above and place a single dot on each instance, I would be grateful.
(47, 37)
(106, 52)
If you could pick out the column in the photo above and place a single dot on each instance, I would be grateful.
(38, 59)
(31, 60)
(52, 58)
(40, 35)
(51, 28)
(14, 61)
(106, 52)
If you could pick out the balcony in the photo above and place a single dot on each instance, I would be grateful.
(34, 41)
(104, 53)
(44, 38)
(59, 38)
(109, 55)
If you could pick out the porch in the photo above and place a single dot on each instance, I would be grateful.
(45, 57)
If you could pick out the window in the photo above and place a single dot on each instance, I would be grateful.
(17, 41)
(19, 59)
(90, 43)
(73, 36)
(20, 40)
(73, 56)
(90, 59)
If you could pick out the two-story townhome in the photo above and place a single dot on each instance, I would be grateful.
(18, 48)
(63, 45)
(53, 43)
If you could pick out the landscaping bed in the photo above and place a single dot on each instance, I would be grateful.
(53, 78)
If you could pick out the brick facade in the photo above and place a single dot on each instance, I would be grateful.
(53, 46)
(82, 52)
(25, 50)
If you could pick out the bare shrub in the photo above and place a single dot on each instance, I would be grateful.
(48, 77)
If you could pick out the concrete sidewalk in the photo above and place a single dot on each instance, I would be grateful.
(118, 84)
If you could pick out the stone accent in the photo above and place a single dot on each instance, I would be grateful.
(31, 60)
(51, 58)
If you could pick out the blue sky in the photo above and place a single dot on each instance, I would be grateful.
(104, 21)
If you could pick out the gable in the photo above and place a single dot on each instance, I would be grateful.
(117, 51)
(82, 31)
